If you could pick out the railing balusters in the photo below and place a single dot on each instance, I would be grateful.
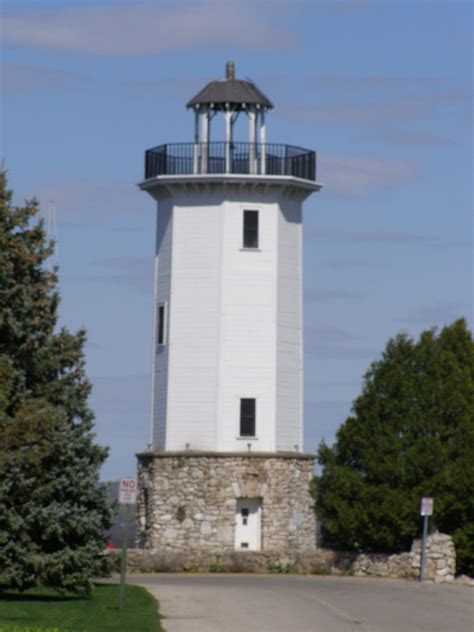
(242, 158)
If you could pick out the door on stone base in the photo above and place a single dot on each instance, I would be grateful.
(247, 524)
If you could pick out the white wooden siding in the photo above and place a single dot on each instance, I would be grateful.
(234, 323)
(162, 293)
(289, 405)
(247, 341)
(193, 328)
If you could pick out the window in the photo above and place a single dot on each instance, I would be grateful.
(161, 324)
(250, 229)
(247, 417)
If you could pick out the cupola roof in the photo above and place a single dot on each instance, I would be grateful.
(234, 92)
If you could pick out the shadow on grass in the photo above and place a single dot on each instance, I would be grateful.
(41, 597)
(49, 595)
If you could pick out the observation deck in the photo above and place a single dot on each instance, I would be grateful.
(224, 158)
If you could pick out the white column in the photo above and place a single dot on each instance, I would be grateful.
(263, 149)
(205, 140)
(252, 139)
(196, 142)
(228, 138)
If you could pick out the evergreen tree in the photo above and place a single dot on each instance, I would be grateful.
(411, 434)
(53, 511)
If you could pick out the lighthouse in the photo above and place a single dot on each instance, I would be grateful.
(225, 469)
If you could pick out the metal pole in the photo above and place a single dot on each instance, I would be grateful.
(205, 119)
(228, 138)
(252, 117)
(423, 547)
(263, 150)
(196, 141)
(123, 560)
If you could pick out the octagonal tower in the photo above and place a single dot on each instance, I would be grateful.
(225, 467)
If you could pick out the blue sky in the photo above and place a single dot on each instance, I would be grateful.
(382, 90)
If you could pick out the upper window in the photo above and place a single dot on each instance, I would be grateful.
(247, 417)
(250, 229)
(161, 324)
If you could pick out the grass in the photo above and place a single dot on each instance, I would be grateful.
(43, 610)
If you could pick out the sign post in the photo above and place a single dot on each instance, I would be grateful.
(127, 497)
(426, 510)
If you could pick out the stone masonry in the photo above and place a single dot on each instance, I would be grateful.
(187, 500)
(440, 565)
(440, 561)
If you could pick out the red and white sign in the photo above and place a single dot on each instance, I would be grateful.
(128, 491)
(426, 507)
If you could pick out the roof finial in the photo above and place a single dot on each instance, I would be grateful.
(230, 70)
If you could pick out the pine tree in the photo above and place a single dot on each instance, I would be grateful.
(411, 435)
(53, 511)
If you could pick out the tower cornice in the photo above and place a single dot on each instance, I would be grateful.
(161, 187)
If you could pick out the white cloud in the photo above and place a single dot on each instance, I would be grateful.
(379, 100)
(20, 79)
(412, 138)
(148, 28)
(330, 295)
(135, 272)
(86, 200)
(354, 263)
(387, 237)
(439, 313)
(355, 114)
(354, 175)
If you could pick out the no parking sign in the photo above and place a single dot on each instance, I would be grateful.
(128, 491)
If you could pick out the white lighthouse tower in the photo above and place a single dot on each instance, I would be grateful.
(226, 469)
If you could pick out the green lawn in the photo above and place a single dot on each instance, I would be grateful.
(45, 611)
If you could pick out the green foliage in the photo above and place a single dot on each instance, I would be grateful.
(411, 435)
(47, 611)
(280, 568)
(215, 567)
(53, 511)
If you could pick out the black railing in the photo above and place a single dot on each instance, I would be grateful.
(221, 157)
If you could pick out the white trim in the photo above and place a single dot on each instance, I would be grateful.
(263, 147)
(228, 138)
(238, 178)
(154, 335)
(252, 140)
(252, 438)
(220, 333)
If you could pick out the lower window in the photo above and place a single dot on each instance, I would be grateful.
(247, 417)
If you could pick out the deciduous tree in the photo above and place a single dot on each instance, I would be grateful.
(411, 434)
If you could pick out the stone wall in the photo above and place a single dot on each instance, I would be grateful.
(440, 563)
(187, 501)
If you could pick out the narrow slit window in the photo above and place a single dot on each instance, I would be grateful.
(250, 229)
(247, 417)
(161, 323)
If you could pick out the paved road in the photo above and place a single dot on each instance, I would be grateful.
(263, 603)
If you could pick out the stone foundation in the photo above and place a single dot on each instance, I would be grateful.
(187, 501)
(440, 561)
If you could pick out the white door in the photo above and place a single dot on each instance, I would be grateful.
(247, 524)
